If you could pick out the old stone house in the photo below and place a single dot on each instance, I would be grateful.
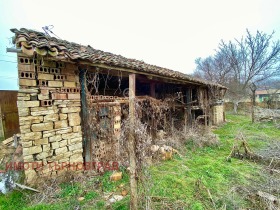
(72, 100)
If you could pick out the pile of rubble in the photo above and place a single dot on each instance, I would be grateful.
(10, 152)
(163, 152)
(267, 115)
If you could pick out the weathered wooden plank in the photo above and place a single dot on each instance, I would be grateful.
(2, 134)
(87, 143)
(131, 142)
(151, 75)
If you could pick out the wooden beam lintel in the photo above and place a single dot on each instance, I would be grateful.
(149, 75)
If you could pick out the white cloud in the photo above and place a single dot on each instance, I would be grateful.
(166, 33)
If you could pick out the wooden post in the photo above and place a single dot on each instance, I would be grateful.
(2, 134)
(205, 117)
(153, 89)
(172, 125)
(87, 143)
(210, 111)
(131, 143)
(185, 120)
(153, 121)
(188, 103)
(165, 122)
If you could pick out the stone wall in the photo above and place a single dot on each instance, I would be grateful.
(218, 114)
(49, 115)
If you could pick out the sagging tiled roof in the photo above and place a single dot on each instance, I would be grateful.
(31, 41)
(267, 92)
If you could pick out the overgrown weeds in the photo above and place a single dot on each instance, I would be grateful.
(201, 137)
(226, 181)
(201, 178)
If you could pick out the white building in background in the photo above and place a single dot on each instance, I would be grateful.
(264, 95)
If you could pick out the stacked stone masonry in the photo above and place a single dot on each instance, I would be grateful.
(218, 114)
(49, 115)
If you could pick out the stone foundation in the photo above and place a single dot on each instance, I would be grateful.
(49, 116)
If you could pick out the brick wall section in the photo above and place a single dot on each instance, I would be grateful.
(49, 115)
(218, 114)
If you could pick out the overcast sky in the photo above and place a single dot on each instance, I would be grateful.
(169, 34)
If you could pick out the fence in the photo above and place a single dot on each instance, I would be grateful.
(9, 120)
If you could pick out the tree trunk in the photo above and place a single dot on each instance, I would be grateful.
(253, 89)
(235, 107)
(131, 143)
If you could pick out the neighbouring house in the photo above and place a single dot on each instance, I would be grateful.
(72, 100)
(266, 95)
(9, 121)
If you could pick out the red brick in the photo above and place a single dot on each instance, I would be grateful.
(43, 83)
(24, 60)
(26, 75)
(74, 96)
(44, 91)
(59, 96)
(59, 77)
(46, 103)
(75, 90)
(55, 71)
(61, 64)
(65, 90)
(43, 69)
(70, 90)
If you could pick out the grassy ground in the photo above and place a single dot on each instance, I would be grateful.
(201, 179)
(188, 178)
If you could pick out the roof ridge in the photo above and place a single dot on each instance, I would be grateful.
(42, 44)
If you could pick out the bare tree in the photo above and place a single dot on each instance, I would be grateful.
(241, 63)
(213, 68)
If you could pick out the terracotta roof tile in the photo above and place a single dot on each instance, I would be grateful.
(62, 49)
(267, 92)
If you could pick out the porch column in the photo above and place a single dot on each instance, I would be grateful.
(153, 121)
(153, 89)
(86, 142)
(188, 102)
(131, 143)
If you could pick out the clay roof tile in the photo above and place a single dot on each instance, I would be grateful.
(61, 49)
